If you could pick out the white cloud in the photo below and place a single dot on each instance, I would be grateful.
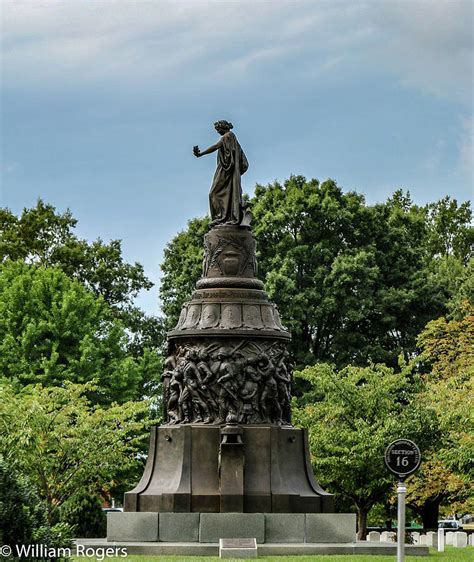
(429, 45)
(424, 44)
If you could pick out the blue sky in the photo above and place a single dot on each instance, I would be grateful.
(103, 100)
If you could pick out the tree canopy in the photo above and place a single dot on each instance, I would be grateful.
(354, 283)
(378, 299)
(63, 443)
(45, 237)
(352, 416)
(447, 354)
(52, 330)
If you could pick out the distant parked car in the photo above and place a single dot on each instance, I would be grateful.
(449, 524)
(109, 509)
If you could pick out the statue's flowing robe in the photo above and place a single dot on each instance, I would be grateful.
(225, 197)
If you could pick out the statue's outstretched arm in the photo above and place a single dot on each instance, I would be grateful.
(209, 150)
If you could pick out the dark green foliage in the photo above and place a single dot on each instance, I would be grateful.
(450, 233)
(83, 512)
(355, 283)
(42, 236)
(45, 237)
(352, 415)
(182, 267)
(67, 445)
(52, 329)
(23, 515)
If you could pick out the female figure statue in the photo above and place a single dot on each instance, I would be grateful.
(225, 197)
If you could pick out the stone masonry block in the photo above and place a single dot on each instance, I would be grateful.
(132, 526)
(284, 527)
(215, 526)
(179, 527)
(330, 527)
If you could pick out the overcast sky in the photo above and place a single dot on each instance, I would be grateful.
(103, 100)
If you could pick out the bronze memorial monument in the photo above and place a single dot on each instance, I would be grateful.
(227, 464)
(227, 443)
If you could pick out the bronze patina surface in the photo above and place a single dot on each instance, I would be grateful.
(227, 443)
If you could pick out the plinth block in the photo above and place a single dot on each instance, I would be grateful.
(215, 526)
(330, 527)
(284, 527)
(135, 527)
(179, 527)
(209, 528)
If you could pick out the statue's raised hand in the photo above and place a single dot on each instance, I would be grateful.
(196, 151)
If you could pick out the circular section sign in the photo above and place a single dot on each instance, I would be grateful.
(402, 457)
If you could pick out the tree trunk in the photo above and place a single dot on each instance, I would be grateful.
(361, 523)
(430, 513)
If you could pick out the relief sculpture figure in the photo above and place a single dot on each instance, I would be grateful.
(250, 394)
(225, 197)
(169, 367)
(227, 400)
(193, 391)
(174, 406)
(269, 399)
(283, 379)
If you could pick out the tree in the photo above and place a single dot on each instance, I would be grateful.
(447, 354)
(354, 283)
(45, 237)
(352, 415)
(83, 512)
(450, 230)
(53, 330)
(63, 443)
(182, 267)
(23, 515)
(350, 279)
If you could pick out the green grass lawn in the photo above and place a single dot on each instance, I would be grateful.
(450, 555)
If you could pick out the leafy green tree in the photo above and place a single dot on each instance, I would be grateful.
(182, 267)
(52, 330)
(354, 283)
(45, 237)
(450, 230)
(349, 279)
(352, 415)
(83, 512)
(63, 443)
(447, 474)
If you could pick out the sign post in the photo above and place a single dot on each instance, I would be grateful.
(402, 458)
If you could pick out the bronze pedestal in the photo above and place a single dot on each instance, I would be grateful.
(227, 443)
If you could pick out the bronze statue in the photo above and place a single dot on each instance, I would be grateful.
(225, 197)
(227, 444)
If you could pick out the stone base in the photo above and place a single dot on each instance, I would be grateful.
(267, 549)
(141, 527)
(209, 528)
